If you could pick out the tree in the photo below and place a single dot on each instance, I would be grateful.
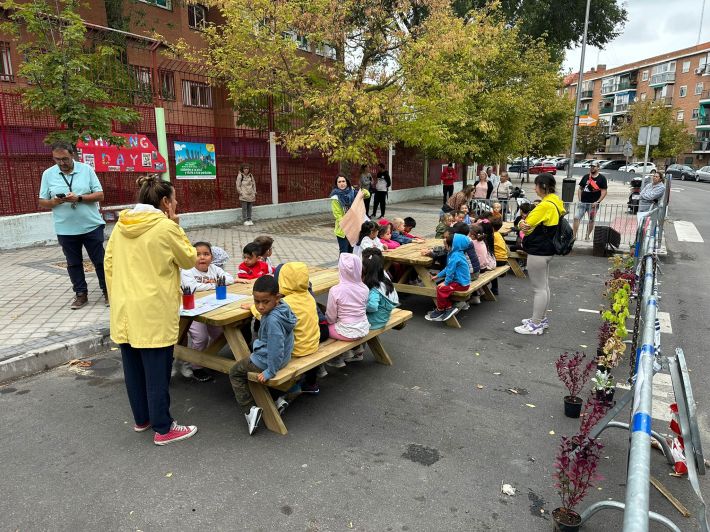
(590, 138)
(62, 69)
(674, 139)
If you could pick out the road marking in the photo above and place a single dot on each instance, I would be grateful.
(687, 232)
(663, 397)
(588, 310)
(665, 319)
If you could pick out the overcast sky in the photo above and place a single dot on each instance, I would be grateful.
(654, 27)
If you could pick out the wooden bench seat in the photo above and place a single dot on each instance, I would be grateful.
(482, 284)
(297, 367)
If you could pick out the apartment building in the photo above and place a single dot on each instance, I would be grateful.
(679, 79)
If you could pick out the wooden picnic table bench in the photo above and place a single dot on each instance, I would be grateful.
(513, 258)
(414, 264)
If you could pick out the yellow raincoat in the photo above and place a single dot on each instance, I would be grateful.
(142, 264)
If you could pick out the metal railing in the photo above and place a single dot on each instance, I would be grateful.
(664, 77)
(587, 94)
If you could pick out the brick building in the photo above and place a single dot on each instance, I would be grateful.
(679, 79)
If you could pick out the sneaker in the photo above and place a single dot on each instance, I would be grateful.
(462, 305)
(434, 315)
(246, 222)
(545, 324)
(530, 328)
(449, 313)
(336, 362)
(186, 370)
(201, 375)
(249, 222)
(474, 300)
(141, 428)
(322, 372)
(352, 356)
(176, 433)
(313, 389)
(79, 301)
(106, 300)
(281, 404)
(253, 418)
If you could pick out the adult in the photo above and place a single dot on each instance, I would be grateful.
(448, 176)
(540, 227)
(492, 177)
(652, 192)
(462, 197)
(504, 191)
(341, 199)
(591, 192)
(246, 188)
(73, 192)
(366, 184)
(483, 187)
(144, 255)
(382, 185)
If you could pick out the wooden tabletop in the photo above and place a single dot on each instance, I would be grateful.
(322, 280)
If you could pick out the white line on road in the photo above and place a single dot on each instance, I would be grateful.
(665, 320)
(588, 310)
(663, 397)
(687, 232)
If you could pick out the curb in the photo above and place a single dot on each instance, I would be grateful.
(53, 355)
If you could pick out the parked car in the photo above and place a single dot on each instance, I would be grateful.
(541, 168)
(519, 167)
(613, 165)
(583, 164)
(634, 168)
(681, 171)
(703, 174)
(562, 163)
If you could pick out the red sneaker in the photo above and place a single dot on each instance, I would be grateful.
(141, 428)
(176, 433)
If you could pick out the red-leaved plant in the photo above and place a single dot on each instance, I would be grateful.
(604, 333)
(574, 371)
(576, 469)
(594, 410)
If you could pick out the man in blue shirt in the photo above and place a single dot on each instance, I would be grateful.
(73, 192)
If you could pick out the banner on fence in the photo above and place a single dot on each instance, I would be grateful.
(194, 160)
(138, 154)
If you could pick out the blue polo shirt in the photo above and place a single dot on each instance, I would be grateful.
(86, 216)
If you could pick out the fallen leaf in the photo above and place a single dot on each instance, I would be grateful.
(130, 513)
(169, 475)
(551, 433)
(415, 387)
(478, 354)
(513, 390)
(496, 373)
(480, 386)
(582, 346)
(350, 524)
(507, 489)
(530, 405)
(114, 349)
(81, 363)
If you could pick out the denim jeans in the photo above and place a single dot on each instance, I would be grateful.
(147, 376)
(344, 245)
(246, 210)
(72, 245)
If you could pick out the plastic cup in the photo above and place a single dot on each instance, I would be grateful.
(188, 301)
(221, 292)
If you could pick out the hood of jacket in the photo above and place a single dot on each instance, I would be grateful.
(135, 222)
(350, 268)
(285, 315)
(460, 243)
(392, 297)
(293, 277)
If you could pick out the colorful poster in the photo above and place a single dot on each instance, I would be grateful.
(195, 161)
(138, 154)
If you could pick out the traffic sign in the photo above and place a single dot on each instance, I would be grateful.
(655, 136)
(586, 120)
(628, 149)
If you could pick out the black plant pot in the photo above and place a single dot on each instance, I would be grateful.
(606, 395)
(573, 406)
(564, 520)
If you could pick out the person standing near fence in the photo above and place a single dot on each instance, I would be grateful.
(366, 184)
(448, 176)
(503, 191)
(73, 192)
(382, 185)
(341, 199)
(246, 188)
(483, 187)
(591, 192)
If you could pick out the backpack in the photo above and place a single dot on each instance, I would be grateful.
(563, 239)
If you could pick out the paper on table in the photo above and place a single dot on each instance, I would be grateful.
(210, 302)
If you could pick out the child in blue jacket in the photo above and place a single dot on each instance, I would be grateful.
(456, 277)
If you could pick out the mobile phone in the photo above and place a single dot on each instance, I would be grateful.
(61, 196)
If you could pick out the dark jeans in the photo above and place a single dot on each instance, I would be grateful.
(93, 241)
(367, 203)
(344, 245)
(448, 191)
(380, 200)
(239, 377)
(147, 376)
(494, 282)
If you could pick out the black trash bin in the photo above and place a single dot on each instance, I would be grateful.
(605, 238)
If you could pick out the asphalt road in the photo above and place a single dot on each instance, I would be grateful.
(415, 446)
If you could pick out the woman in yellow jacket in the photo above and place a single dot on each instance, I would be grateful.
(539, 228)
(144, 255)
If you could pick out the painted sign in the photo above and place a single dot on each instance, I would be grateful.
(138, 154)
(194, 160)
(585, 120)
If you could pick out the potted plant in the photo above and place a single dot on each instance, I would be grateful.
(575, 471)
(605, 331)
(613, 351)
(594, 410)
(574, 371)
(603, 386)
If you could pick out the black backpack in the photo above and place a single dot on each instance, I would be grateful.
(563, 239)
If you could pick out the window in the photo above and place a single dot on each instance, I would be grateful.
(703, 61)
(5, 63)
(300, 40)
(695, 114)
(686, 66)
(167, 84)
(326, 50)
(196, 16)
(699, 88)
(195, 94)
(680, 116)
(165, 4)
(644, 75)
(143, 89)
(683, 91)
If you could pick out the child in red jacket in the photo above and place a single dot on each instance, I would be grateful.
(252, 267)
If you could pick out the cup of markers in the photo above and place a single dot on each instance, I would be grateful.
(188, 297)
(221, 288)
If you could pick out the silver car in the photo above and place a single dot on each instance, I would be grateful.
(703, 174)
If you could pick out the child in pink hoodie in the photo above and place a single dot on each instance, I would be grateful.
(385, 236)
(345, 311)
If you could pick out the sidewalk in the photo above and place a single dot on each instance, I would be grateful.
(38, 325)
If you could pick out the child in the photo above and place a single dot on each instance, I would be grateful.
(497, 210)
(345, 310)
(398, 230)
(385, 236)
(459, 217)
(409, 224)
(500, 250)
(200, 278)
(525, 209)
(252, 267)
(446, 221)
(485, 258)
(219, 257)
(266, 243)
(368, 238)
(466, 217)
(271, 350)
(383, 297)
(456, 277)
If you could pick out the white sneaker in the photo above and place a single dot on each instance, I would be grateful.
(322, 372)
(462, 305)
(474, 300)
(186, 370)
(253, 418)
(281, 404)
(336, 362)
(246, 222)
(530, 328)
(249, 222)
(353, 356)
(545, 324)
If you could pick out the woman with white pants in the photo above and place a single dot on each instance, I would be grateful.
(540, 227)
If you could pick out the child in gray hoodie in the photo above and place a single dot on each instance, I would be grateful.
(271, 350)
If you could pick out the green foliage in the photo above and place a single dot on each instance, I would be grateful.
(674, 139)
(590, 138)
(62, 70)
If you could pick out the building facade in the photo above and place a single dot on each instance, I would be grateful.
(679, 79)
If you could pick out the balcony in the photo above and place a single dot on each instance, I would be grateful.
(705, 96)
(703, 121)
(702, 145)
(623, 85)
(621, 108)
(617, 148)
(665, 100)
(662, 78)
(584, 111)
(587, 95)
(606, 106)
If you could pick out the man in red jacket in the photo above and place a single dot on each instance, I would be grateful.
(448, 176)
